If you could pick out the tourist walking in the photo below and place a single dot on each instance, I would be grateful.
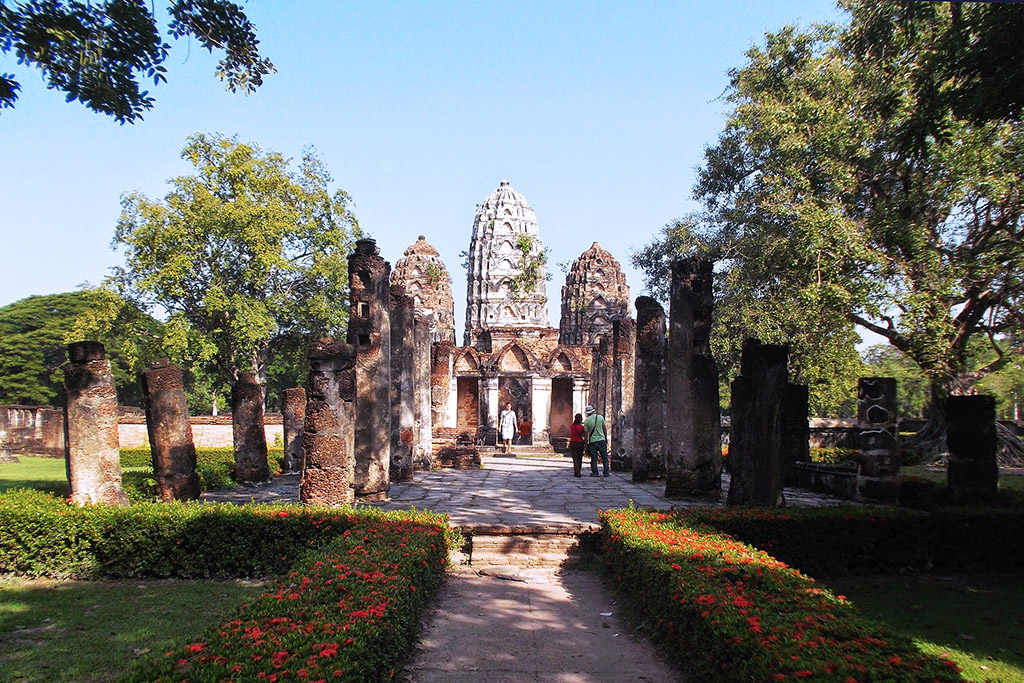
(576, 444)
(507, 424)
(594, 429)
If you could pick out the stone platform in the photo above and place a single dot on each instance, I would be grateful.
(531, 491)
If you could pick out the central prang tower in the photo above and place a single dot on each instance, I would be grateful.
(502, 289)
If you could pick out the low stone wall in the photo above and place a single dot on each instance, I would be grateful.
(40, 429)
(835, 480)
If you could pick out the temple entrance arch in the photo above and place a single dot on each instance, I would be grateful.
(561, 408)
(467, 410)
(518, 392)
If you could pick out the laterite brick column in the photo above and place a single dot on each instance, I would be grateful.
(328, 437)
(170, 433)
(247, 430)
(693, 457)
(403, 406)
(973, 470)
(91, 451)
(755, 444)
(422, 445)
(649, 391)
(294, 423)
(623, 378)
(879, 459)
(369, 330)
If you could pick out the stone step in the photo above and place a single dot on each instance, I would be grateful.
(526, 546)
(493, 451)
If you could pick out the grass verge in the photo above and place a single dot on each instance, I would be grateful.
(974, 620)
(57, 631)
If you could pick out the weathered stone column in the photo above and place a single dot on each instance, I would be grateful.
(328, 437)
(580, 395)
(649, 391)
(540, 404)
(879, 461)
(452, 417)
(369, 330)
(440, 382)
(91, 452)
(623, 377)
(755, 443)
(422, 445)
(693, 456)
(294, 423)
(403, 410)
(247, 430)
(170, 433)
(973, 469)
(796, 431)
(489, 410)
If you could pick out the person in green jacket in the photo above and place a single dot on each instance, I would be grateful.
(595, 433)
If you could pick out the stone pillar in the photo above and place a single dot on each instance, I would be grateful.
(294, 421)
(328, 435)
(489, 410)
(92, 453)
(403, 407)
(452, 417)
(441, 380)
(973, 469)
(422, 445)
(540, 394)
(170, 433)
(580, 395)
(755, 443)
(369, 330)
(878, 464)
(796, 431)
(623, 376)
(649, 391)
(247, 431)
(693, 451)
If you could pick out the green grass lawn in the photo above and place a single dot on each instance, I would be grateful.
(1013, 482)
(35, 472)
(977, 621)
(94, 630)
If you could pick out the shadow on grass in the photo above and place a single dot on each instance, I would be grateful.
(92, 631)
(978, 616)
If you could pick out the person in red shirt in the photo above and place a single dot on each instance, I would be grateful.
(576, 444)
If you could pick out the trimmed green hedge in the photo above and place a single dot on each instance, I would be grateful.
(215, 467)
(734, 613)
(346, 612)
(868, 540)
(44, 536)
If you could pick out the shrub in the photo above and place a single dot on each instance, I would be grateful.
(833, 456)
(215, 467)
(734, 613)
(347, 612)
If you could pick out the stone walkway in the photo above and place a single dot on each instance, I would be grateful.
(534, 491)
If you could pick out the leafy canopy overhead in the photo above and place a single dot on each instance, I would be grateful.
(861, 180)
(243, 255)
(97, 52)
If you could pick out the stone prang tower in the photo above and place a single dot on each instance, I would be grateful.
(505, 238)
(594, 296)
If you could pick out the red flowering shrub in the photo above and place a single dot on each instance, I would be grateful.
(735, 613)
(346, 612)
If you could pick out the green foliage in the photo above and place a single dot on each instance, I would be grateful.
(734, 613)
(850, 186)
(245, 255)
(531, 267)
(833, 456)
(215, 467)
(34, 333)
(97, 53)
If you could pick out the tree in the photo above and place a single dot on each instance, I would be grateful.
(243, 255)
(849, 182)
(97, 53)
(34, 333)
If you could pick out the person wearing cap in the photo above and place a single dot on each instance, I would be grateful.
(595, 430)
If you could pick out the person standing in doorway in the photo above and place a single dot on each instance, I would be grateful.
(595, 430)
(507, 424)
(576, 444)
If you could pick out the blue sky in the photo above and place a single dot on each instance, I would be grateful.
(598, 113)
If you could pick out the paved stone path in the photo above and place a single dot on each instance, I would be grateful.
(511, 491)
(554, 626)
